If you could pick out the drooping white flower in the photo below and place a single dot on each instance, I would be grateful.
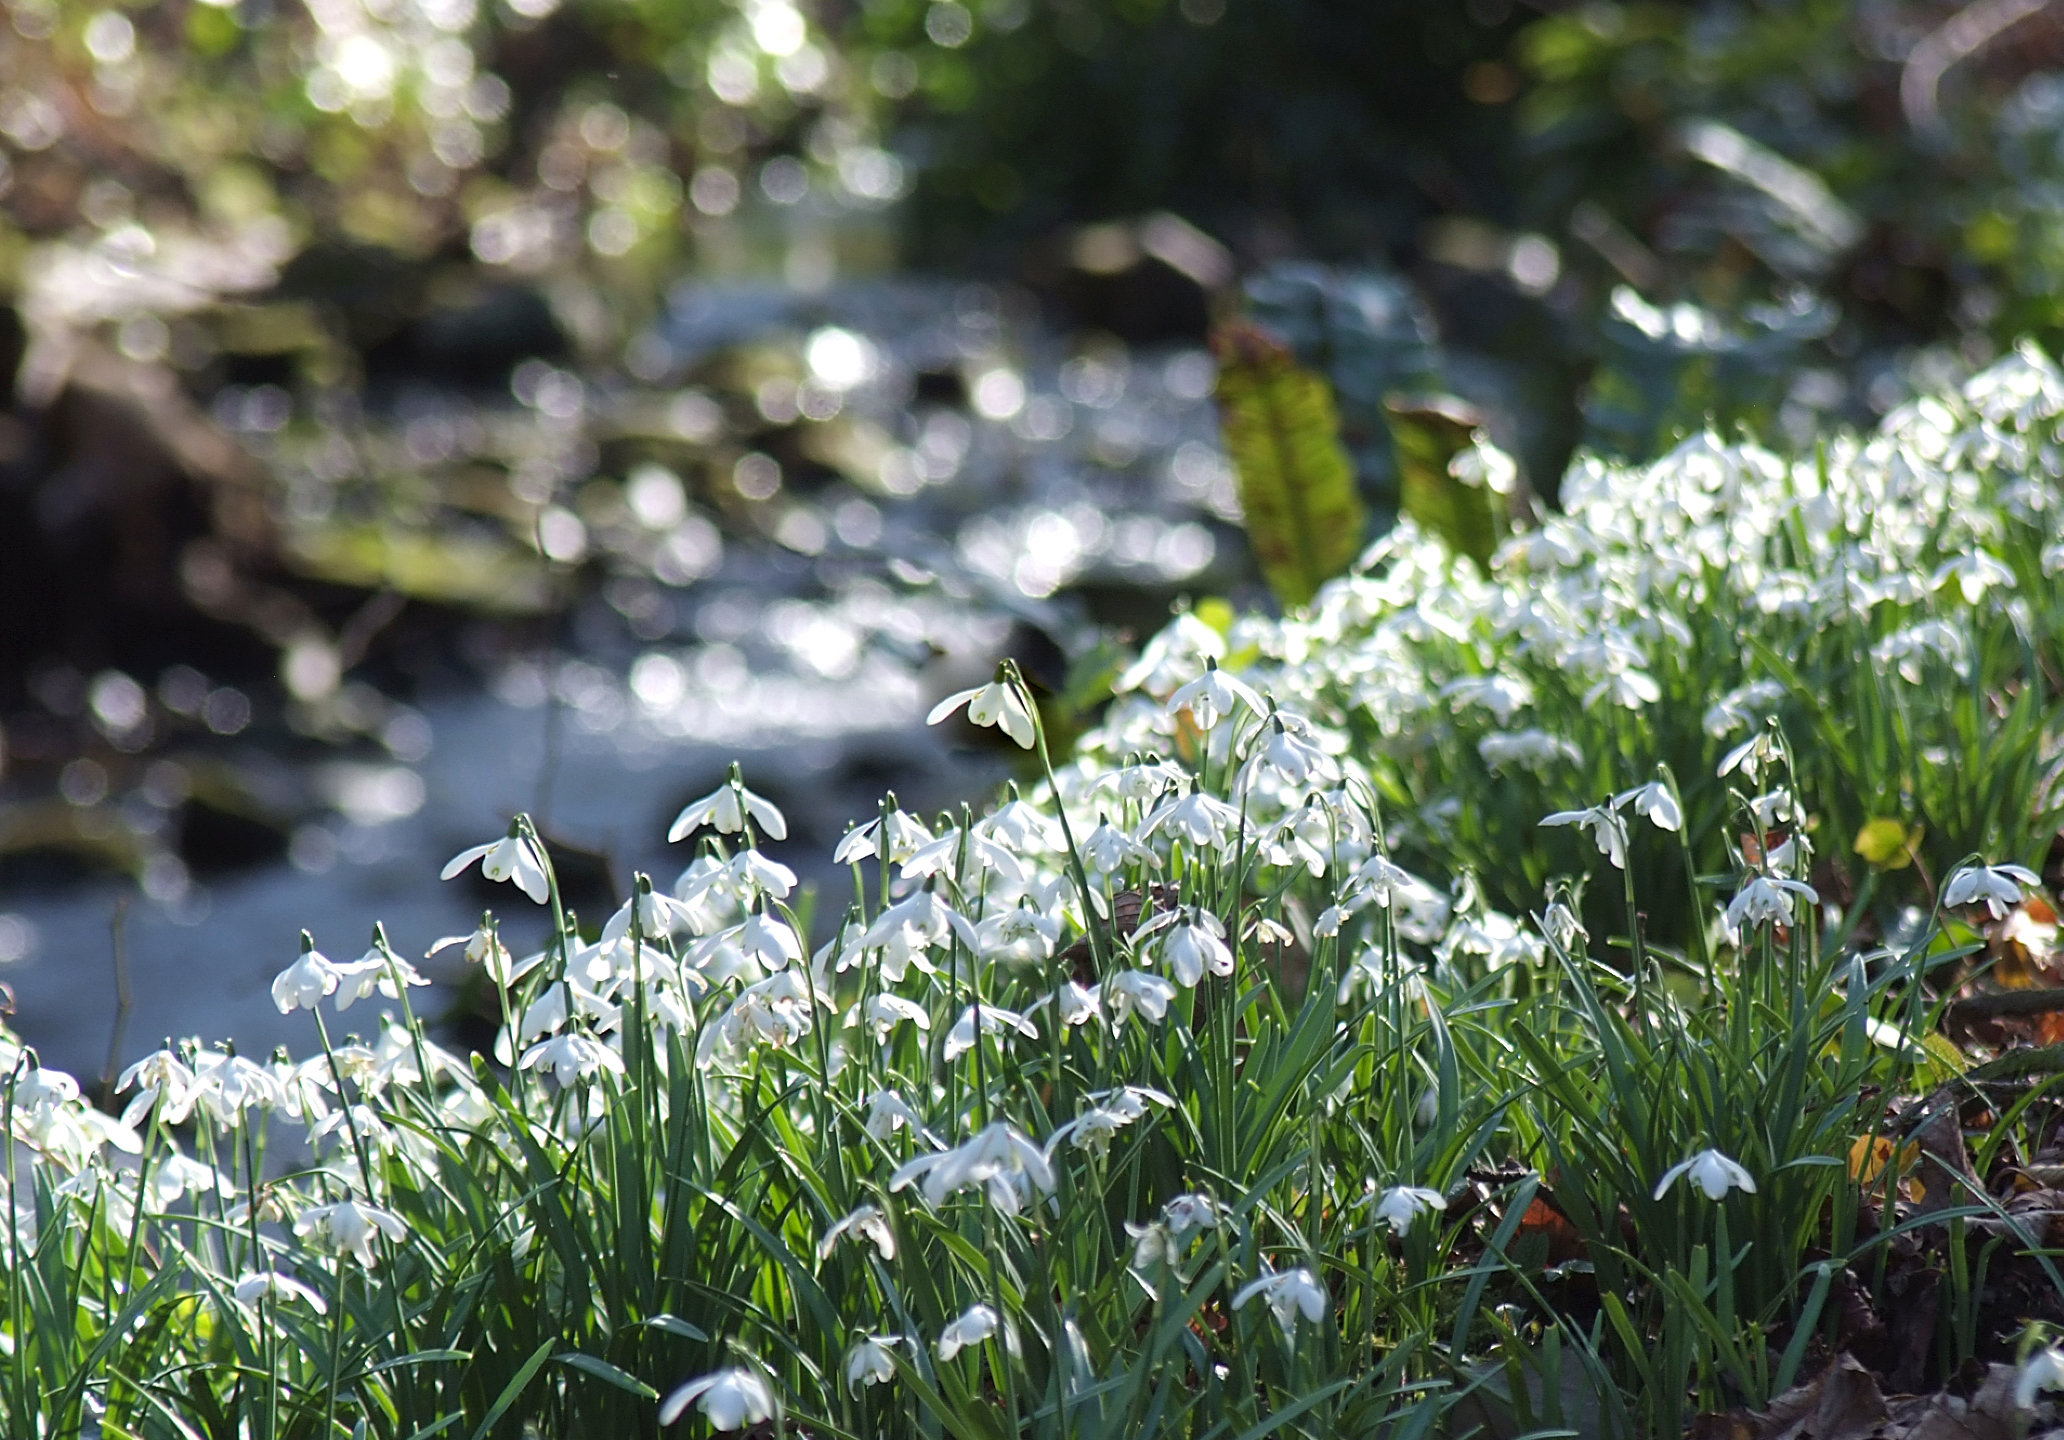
(994, 1020)
(1108, 850)
(1021, 825)
(573, 1058)
(726, 809)
(998, 703)
(513, 857)
(1200, 819)
(1402, 1205)
(1997, 887)
(1503, 695)
(883, 1013)
(888, 1112)
(972, 1327)
(869, 1362)
(165, 1083)
(866, 1223)
(1109, 1112)
(1608, 830)
(2044, 1370)
(271, 1285)
(1175, 651)
(483, 947)
(1139, 991)
(769, 939)
(1766, 899)
(1211, 697)
(730, 1400)
(999, 1159)
(1191, 944)
(1532, 749)
(1749, 757)
(1975, 572)
(303, 984)
(350, 1226)
(1018, 936)
(1288, 1292)
(906, 835)
(1654, 802)
(1713, 1173)
(378, 969)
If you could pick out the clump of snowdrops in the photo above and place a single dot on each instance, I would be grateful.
(1204, 1090)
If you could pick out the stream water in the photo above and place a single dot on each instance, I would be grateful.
(856, 501)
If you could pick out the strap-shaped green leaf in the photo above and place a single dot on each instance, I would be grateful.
(1304, 516)
(1429, 432)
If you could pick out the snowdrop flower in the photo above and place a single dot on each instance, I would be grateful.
(1191, 1212)
(1608, 831)
(1654, 802)
(1109, 850)
(1629, 689)
(886, 1012)
(1751, 756)
(869, 1361)
(1997, 887)
(726, 809)
(165, 1083)
(271, 1285)
(657, 915)
(226, 1086)
(1712, 1172)
(1143, 780)
(994, 1021)
(1019, 824)
(1497, 938)
(948, 850)
(1743, 706)
(906, 835)
(514, 857)
(888, 1112)
(774, 1011)
(572, 1058)
(2044, 1370)
(730, 1400)
(303, 984)
(483, 947)
(1019, 936)
(1766, 899)
(998, 703)
(1074, 1003)
(378, 969)
(1000, 1159)
(348, 1225)
(1192, 944)
(1203, 820)
(970, 1328)
(1288, 1292)
(1975, 572)
(1211, 696)
(1402, 1205)
(865, 1223)
(1286, 751)
(1503, 695)
(1174, 651)
(1113, 1111)
(1531, 749)
(769, 940)
(1139, 991)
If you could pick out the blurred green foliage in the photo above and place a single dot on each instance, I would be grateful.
(1610, 222)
